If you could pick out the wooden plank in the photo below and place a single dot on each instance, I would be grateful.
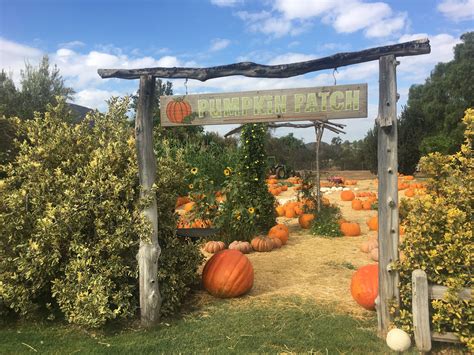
(149, 251)
(249, 69)
(388, 193)
(445, 337)
(315, 103)
(437, 292)
(420, 310)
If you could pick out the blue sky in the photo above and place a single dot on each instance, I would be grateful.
(82, 36)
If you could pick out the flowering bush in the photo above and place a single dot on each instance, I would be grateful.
(70, 224)
(439, 238)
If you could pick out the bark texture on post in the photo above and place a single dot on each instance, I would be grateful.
(319, 130)
(149, 252)
(388, 191)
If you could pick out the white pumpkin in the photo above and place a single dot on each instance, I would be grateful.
(398, 340)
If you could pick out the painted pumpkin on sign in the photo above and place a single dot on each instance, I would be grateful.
(365, 286)
(229, 273)
(177, 110)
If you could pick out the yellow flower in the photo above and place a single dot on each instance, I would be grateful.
(227, 172)
(194, 171)
(251, 210)
(191, 186)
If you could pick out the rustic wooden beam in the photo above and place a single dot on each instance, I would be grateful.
(388, 192)
(149, 251)
(249, 69)
(328, 125)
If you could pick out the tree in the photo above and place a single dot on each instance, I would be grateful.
(40, 86)
(431, 121)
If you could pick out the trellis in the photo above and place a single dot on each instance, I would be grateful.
(388, 233)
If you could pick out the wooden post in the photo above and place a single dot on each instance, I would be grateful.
(319, 129)
(420, 310)
(149, 252)
(387, 191)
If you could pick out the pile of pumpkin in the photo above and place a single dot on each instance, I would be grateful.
(357, 203)
(277, 237)
(295, 209)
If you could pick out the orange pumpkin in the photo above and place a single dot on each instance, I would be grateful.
(200, 223)
(350, 229)
(365, 286)
(262, 244)
(367, 205)
(356, 204)
(214, 246)
(305, 220)
(188, 206)
(373, 223)
(276, 243)
(228, 273)
(290, 212)
(243, 247)
(410, 192)
(281, 232)
(298, 210)
(177, 110)
(347, 195)
(280, 210)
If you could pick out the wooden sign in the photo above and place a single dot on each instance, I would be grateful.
(326, 102)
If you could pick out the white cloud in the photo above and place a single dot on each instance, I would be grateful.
(417, 68)
(291, 58)
(218, 44)
(377, 19)
(95, 98)
(72, 44)
(226, 3)
(14, 55)
(457, 10)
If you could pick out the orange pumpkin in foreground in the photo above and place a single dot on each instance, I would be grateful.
(365, 286)
(281, 232)
(227, 274)
(350, 229)
(305, 220)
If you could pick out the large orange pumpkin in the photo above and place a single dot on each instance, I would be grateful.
(177, 110)
(305, 220)
(347, 195)
(279, 231)
(350, 229)
(365, 286)
(229, 273)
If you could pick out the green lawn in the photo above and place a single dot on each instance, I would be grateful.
(225, 327)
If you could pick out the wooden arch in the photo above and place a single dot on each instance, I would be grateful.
(388, 234)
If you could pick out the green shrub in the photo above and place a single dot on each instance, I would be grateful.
(70, 224)
(439, 238)
(325, 224)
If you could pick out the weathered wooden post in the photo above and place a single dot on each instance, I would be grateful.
(319, 130)
(388, 190)
(149, 252)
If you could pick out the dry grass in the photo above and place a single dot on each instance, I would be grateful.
(312, 268)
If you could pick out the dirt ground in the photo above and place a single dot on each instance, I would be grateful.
(313, 268)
